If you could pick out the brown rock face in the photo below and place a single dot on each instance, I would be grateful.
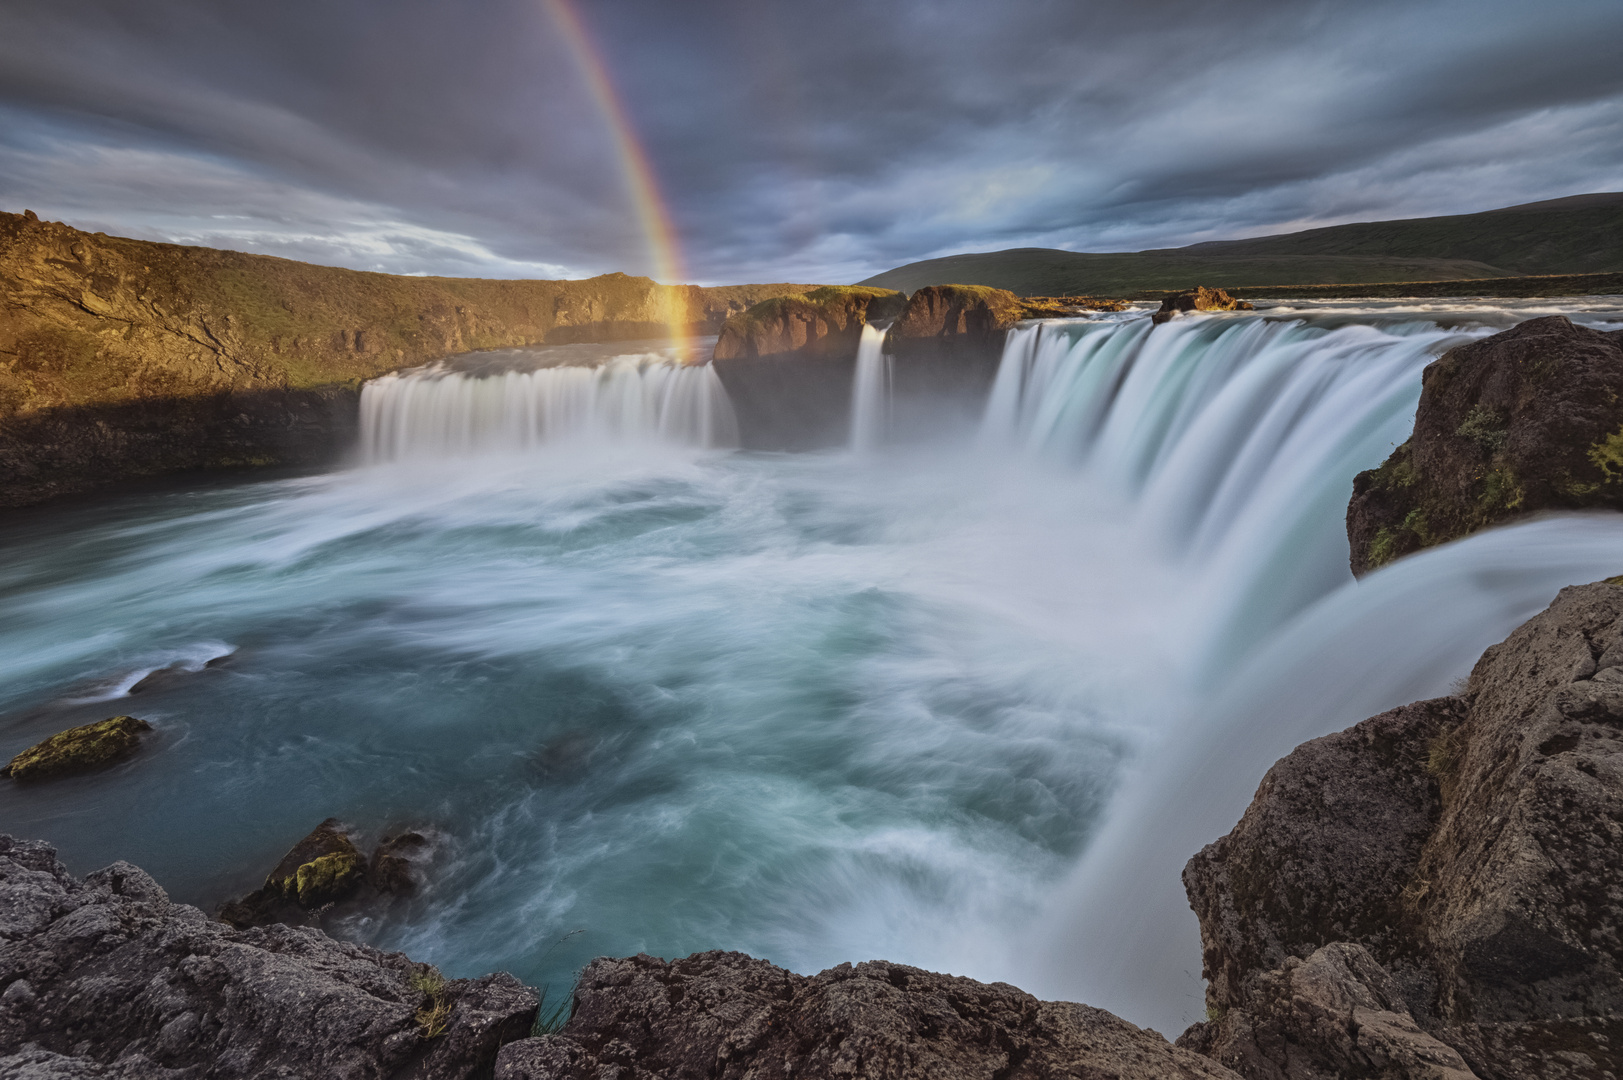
(1529, 419)
(1199, 298)
(326, 868)
(1453, 865)
(122, 358)
(972, 312)
(725, 1014)
(824, 322)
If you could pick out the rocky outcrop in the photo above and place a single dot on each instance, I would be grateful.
(79, 749)
(1526, 420)
(326, 869)
(788, 363)
(1436, 889)
(722, 1014)
(106, 977)
(123, 358)
(967, 313)
(823, 323)
(1199, 298)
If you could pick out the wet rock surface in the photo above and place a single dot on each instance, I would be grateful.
(721, 1014)
(824, 322)
(1460, 859)
(326, 869)
(106, 977)
(1526, 420)
(79, 749)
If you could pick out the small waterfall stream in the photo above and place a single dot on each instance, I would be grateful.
(870, 391)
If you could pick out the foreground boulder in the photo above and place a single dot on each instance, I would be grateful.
(106, 977)
(1198, 299)
(79, 749)
(1529, 419)
(1437, 891)
(721, 1014)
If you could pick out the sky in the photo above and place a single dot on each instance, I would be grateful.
(790, 141)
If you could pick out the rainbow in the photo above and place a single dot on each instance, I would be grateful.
(652, 214)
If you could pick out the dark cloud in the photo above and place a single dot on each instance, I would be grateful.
(794, 141)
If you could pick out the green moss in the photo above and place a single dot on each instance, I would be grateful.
(1485, 427)
(79, 749)
(324, 879)
(434, 1015)
(1608, 455)
(1500, 492)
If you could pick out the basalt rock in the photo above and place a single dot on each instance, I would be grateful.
(1445, 875)
(79, 749)
(122, 358)
(326, 869)
(971, 313)
(106, 977)
(1198, 299)
(1526, 420)
(721, 1014)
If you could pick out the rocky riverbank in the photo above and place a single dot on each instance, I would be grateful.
(1433, 893)
(122, 358)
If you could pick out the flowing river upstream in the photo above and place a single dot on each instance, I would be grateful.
(966, 702)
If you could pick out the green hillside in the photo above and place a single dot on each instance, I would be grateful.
(1580, 234)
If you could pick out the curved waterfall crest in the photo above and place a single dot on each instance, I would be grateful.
(648, 398)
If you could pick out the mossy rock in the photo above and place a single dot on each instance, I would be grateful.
(327, 878)
(80, 749)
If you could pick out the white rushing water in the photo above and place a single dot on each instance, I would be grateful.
(436, 411)
(870, 391)
(963, 706)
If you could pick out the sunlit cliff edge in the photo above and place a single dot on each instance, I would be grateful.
(122, 358)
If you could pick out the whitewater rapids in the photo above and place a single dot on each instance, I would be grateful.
(966, 704)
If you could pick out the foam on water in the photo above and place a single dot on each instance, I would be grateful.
(968, 707)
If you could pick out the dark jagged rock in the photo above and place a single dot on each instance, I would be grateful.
(324, 869)
(725, 1014)
(1445, 873)
(1526, 420)
(108, 978)
(79, 749)
(1199, 298)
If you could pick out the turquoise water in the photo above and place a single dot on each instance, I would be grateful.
(649, 696)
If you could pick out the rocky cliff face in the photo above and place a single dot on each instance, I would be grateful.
(822, 323)
(1437, 891)
(123, 358)
(1529, 419)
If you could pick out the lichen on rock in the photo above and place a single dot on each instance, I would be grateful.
(79, 749)
(1525, 420)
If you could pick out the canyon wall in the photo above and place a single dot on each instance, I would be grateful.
(123, 358)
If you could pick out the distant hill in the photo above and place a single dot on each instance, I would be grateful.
(1574, 235)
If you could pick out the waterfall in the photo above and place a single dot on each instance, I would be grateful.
(870, 391)
(1234, 441)
(436, 411)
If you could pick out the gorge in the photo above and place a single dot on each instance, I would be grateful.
(962, 684)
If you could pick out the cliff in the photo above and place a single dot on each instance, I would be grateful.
(1437, 891)
(1526, 420)
(123, 358)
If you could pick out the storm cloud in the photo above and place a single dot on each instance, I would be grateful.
(801, 142)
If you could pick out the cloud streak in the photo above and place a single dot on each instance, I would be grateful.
(794, 142)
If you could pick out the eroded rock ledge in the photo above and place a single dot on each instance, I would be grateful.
(1438, 891)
